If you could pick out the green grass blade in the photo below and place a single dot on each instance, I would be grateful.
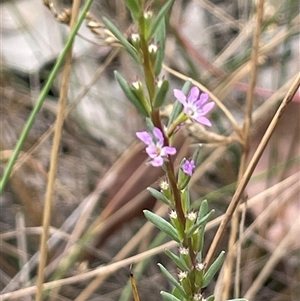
(41, 98)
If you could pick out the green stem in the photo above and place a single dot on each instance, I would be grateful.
(176, 194)
(147, 64)
(41, 98)
(180, 119)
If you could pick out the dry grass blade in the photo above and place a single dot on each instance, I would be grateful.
(246, 177)
(106, 270)
(54, 158)
(279, 252)
(245, 152)
(134, 288)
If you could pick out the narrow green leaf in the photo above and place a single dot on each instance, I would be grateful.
(160, 96)
(42, 96)
(149, 124)
(178, 261)
(162, 224)
(199, 256)
(199, 223)
(186, 201)
(134, 8)
(203, 210)
(115, 31)
(201, 238)
(208, 276)
(168, 297)
(171, 279)
(130, 95)
(159, 17)
(210, 298)
(160, 40)
(159, 196)
(176, 293)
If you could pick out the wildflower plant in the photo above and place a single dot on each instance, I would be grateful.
(146, 46)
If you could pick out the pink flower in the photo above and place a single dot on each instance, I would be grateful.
(188, 167)
(195, 105)
(156, 150)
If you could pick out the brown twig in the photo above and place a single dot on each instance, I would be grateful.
(54, 158)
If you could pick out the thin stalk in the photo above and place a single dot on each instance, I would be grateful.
(54, 158)
(176, 193)
(245, 147)
(250, 168)
(42, 97)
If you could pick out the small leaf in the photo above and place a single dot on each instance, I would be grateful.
(186, 200)
(160, 96)
(149, 124)
(178, 261)
(171, 279)
(203, 210)
(134, 8)
(168, 297)
(159, 196)
(200, 239)
(162, 224)
(176, 293)
(208, 276)
(115, 31)
(159, 17)
(199, 223)
(160, 40)
(130, 95)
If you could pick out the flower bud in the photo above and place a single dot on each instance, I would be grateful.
(184, 254)
(135, 39)
(190, 221)
(152, 49)
(176, 223)
(197, 297)
(185, 282)
(137, 89)
(161, 90)
(199, 271)
(185, 172)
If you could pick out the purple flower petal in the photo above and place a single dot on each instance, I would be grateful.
(180, 96)
(207, 107)
(194, 94)
(157, 161)
(155, 146)
(203, 98)
(203, 120)
(195, 106)
(158, 134)
(145, 137)
(168, 150)
(151, 150)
